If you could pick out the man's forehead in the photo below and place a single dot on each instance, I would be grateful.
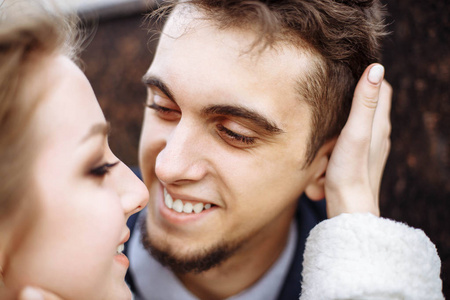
(186, 19)
(190, 32)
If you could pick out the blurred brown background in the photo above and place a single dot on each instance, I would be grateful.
(416, 186)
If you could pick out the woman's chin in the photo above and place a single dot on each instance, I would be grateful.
(120, 291)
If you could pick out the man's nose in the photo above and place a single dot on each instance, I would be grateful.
(182, 158)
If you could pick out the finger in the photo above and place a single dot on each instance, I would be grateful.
(380, 143)
(365, 102)
(385, 98)
(381, 128)
(32, 293)
(383, 111)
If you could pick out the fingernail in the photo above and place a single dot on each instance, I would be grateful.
(376, 74)
(30, 293)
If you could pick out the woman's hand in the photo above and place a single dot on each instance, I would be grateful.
(32, 293)
(353, 175)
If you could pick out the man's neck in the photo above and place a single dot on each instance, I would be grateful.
(243, 269)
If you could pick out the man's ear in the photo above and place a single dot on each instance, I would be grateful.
(315, 190)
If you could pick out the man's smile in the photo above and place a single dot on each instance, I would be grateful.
(181, 208)
(184, 206)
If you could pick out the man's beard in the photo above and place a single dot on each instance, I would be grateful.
(200, 262)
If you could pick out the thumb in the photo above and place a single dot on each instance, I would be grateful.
(32, 293)
(365, 102)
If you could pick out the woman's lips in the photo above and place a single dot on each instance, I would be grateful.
(122, 259)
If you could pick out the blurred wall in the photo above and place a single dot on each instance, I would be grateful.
(118, 54)
(416, 185)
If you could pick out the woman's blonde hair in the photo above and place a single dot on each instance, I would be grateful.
(29, 30)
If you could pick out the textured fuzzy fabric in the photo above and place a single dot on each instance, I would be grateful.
(360, 256)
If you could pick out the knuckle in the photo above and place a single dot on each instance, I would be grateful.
(370, 102)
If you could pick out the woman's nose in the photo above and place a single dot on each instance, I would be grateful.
(134, 194)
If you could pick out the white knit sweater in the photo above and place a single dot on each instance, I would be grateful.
(360, 256)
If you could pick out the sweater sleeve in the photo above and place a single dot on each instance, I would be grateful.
(361, 256)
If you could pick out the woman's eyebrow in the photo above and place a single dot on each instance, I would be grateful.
(97, 129)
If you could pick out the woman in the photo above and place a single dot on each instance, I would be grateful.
(64, 197)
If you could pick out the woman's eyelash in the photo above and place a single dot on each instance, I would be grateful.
(103, 169)
(236, 136)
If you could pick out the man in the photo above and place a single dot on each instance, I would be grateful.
(245, 102)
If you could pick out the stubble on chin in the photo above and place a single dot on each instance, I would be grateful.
(203, 260)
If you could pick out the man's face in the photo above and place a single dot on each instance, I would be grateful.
(225, 127)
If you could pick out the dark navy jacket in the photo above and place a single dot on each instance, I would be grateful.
(308, 214)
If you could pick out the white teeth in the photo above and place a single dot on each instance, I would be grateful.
(120, 249)
(179, 206)
(168, 199)
(198, 208)
(187, 208)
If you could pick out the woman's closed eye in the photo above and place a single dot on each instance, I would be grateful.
(102, 170)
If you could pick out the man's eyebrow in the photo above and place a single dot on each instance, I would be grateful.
(151, 80)
(97, 129)
(225, 110)
(245, 113)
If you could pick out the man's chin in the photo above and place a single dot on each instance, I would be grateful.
(203, 260)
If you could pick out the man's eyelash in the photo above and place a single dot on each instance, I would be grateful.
(236, 136)
(103, 169)
(159, 108)
(233, 135)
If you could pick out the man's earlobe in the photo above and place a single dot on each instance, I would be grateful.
(315, 190)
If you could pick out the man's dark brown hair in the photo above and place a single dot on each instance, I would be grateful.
(344, 36)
